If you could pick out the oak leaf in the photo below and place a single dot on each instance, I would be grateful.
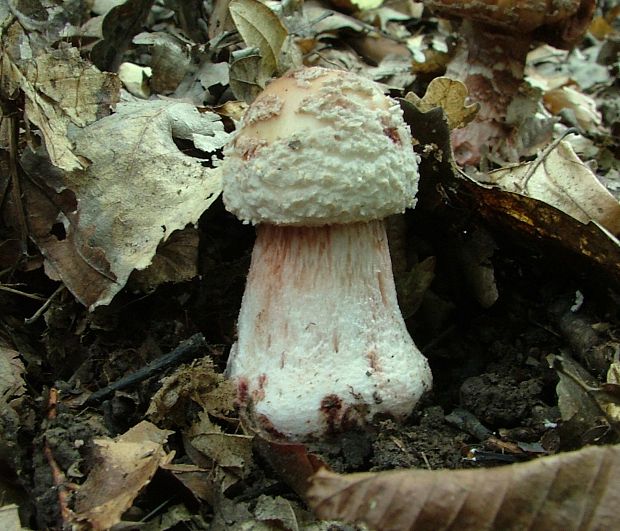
(574, 490)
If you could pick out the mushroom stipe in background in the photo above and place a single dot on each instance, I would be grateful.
(321, 157)
(495, 38)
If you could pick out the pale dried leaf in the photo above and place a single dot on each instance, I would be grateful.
(189, 386)
(260, 28)
(276, 511)
(450, 95)
(125, 465)
(9, 518)
(244, 74)
(226, 450)
(582, 107)
(11, 374)
(60, 89)
(563, 181)
(137, 190)
(570, 491)
(135, 79)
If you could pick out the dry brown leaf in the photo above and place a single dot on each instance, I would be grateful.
(570, 491)
(197, 384)
(198, 480)
(125, 465)
(226, 450)
(450, 95)
(563, 181)
(176, 260)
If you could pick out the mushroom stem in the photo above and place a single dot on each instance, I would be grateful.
(491, 65)
(322, 345)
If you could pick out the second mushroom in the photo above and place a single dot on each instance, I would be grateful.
(322, 156)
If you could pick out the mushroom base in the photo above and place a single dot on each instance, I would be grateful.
(322, 345)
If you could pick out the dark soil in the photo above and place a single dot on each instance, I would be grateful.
(494, 400)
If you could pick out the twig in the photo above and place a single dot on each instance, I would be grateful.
(188, 349)
(22, 293)
(46, 304)
(543, 155)
(58, 476)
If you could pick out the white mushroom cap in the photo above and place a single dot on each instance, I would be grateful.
(319, 147)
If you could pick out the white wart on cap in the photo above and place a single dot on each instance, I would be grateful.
(321, 157)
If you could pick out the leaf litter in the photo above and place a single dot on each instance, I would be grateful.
(115, 249)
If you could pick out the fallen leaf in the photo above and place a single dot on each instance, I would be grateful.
(451, 96)
(194, 478)
(189, 386)
(11, 374)
(582, 107)
(132, 195)
(224, 449)
(176, 260)
(170, 60)
(562, 180)
(9, 518)
(125, 465)
(228, 456)
(276, 511)
(118, 27)
(60, 88)
(260, 28)
(589, 410)
(292, 462)
(244, 75)
(569, 491)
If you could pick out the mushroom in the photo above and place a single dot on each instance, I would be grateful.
(496, 36)
(321, 157)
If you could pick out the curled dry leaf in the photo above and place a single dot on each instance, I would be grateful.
(450, 95)
(570, 491)
(138, 188)
(176, 260)
(561, 180)
(191, 386)
(124, 466)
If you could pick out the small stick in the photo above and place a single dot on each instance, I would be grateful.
(8, 289)
(187, 350)
(58, 476)
(543, 155)
(39, 312)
